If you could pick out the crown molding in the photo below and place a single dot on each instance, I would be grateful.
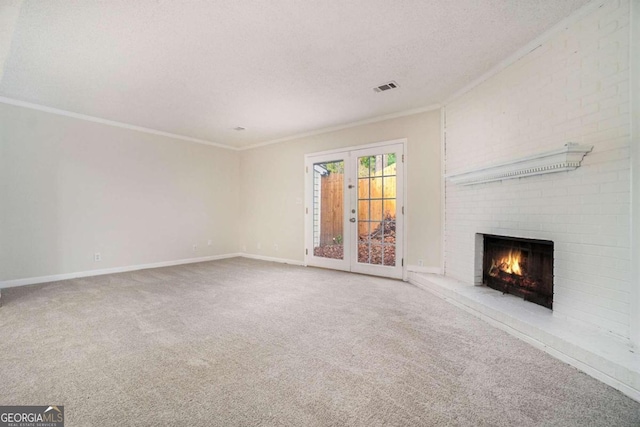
(113, 123)
(529, 47)
(57, 111)
(345, 126)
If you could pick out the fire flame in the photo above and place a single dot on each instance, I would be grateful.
(510, 263)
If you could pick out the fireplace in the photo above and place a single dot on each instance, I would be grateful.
(522, 267)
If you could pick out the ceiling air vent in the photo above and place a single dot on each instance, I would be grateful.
(387, 86)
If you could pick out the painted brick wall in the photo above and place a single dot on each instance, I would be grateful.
(572, 88)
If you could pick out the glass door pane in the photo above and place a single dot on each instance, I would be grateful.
(328, 209)
(377, 192)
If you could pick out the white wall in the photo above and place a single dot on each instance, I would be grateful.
(635, 144)
(70, 188)
(573, 88)
(272, 178)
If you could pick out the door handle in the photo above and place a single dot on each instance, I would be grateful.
(352, 219)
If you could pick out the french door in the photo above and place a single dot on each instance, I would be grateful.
(354, 210)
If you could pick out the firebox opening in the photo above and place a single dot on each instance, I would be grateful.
(522, 267)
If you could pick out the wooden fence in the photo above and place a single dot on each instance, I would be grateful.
(375, 188)
(332, 208)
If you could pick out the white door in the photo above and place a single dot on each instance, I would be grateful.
(355, 210)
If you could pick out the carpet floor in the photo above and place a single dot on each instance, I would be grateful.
(240, 342)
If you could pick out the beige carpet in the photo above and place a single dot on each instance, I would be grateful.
(248, 343)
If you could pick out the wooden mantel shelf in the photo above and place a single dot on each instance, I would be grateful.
(566, 158)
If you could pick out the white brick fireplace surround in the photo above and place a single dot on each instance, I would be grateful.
(573, 85)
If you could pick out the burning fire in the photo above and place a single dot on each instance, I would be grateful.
(510, 263)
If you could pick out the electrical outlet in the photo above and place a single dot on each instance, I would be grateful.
(244, 248)
(421, 263)
(258, 245)
(209, 243)
(97, 257)
(275, 247)
(195, 248)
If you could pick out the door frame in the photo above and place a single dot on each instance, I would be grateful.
(308, 201)
(343, 264)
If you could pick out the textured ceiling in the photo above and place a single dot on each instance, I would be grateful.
(278, 68)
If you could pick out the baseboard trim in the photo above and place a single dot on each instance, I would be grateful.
(422, 269)
(272, 259)
(66, 276)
